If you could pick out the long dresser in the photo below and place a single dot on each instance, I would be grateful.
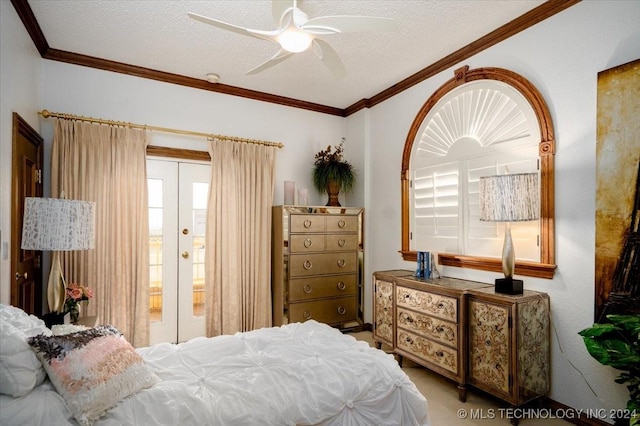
(317, 266)
(467, 332)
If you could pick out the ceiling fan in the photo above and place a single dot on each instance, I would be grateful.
(296, 33)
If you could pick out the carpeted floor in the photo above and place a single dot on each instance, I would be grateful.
(480, 409)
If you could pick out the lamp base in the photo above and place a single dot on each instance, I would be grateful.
(57, 287)
(508, 286)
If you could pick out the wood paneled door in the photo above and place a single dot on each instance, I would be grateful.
(26, 265)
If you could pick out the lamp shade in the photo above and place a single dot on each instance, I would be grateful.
(57, 224)
(509, 198)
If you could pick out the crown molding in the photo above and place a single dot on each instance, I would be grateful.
(519, 24)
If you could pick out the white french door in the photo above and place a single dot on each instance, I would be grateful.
(177, 213)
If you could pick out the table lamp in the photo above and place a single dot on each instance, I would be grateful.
(509, 198)
(57, 224)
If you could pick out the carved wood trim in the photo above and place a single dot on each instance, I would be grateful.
(462, 75)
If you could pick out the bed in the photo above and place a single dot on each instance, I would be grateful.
(297, 374)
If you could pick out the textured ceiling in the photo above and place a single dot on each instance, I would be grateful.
(159, 35)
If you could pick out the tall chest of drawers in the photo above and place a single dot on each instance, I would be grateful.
(317, 264)
(465, 331)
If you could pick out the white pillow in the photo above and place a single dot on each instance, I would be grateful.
(20, 369)
(29, 324)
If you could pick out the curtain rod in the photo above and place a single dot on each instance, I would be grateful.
(47, 114)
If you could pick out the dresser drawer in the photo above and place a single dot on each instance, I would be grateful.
(306, 223)
(341, 242)
(317, 287)
(428, 350)
(302, 265)
(430, 303)
(330, 311)
(444, 332)
(342, 223)
(302, 243)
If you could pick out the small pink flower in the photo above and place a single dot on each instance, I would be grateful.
(75, 293)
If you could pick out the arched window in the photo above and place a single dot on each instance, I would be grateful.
(482, 122)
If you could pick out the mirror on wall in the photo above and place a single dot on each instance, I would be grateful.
(487, 121)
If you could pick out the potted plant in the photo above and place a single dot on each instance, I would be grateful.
(617, 344)
(331, 173)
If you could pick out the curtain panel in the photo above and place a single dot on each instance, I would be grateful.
(238, 237)
(107, 164)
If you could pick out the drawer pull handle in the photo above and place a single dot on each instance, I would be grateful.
(307, 289)
(341, 285)
(306, 315)
(342, 310)
(308, 243)
(341, 263)
(342, 242)
(307, 265)
(307, 223)
(341, 223)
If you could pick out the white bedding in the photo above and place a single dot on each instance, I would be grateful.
(298, 374)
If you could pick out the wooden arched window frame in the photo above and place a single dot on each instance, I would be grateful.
(545, 268)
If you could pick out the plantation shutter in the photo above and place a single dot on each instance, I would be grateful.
(436, 208)
(445, 208)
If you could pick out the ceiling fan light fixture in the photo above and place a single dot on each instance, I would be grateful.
(295, 41)
(296, 33)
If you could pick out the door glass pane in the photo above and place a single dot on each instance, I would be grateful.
(200, 192)
(155, 249)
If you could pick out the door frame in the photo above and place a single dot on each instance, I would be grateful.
(26, 293)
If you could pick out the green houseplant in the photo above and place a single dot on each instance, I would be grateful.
(331, 173)
(616, 343)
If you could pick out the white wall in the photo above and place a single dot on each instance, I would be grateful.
(96, 93)
(561, 56)
(19, 92)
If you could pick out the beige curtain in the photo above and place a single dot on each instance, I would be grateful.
(238, 237)
(107, 164)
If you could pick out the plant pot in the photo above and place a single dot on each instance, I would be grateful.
(333, 189)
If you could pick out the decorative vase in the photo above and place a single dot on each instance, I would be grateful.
(74, 312)
(333, 189)
(78, 310)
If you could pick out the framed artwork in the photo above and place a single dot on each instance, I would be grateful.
(617, 174)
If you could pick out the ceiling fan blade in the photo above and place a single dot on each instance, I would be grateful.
(265, 35)
(329, 57)
(279, 8)
(280, 56)
(348, 24)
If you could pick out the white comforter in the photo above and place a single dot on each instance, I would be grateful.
(298, 374)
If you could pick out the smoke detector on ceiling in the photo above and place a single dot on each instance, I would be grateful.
(212, 78)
